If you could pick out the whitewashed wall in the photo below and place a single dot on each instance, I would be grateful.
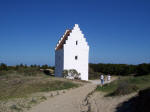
(81, 50)
(65, 58)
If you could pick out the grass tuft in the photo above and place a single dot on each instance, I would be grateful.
(15, 108)
(125, 85)
(43, 98)
(33, 101)
(18, 86)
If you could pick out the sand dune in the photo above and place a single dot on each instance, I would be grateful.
(82, 99)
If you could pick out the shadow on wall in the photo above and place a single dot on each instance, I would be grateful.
(139, 103)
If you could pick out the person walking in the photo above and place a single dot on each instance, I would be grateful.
(102, 79)
(108, 78)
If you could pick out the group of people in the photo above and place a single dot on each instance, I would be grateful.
(102, 78)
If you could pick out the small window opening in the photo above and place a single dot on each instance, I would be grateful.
(76, 57)
(76, 42)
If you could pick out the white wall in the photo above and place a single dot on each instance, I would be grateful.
(81, 50)
(65, 58)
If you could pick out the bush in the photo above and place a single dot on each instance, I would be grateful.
(3, 72)
(125, 85)
(125, 88)
(30, 71)
(142, 102)
(139, 103)
(3, 66)
(143, 69)
(93, 75)
(120, 69)
(113, 69)
(65, 73)
(18, 86)
(71, 74)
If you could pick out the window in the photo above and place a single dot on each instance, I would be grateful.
(76, 42)
(76, 57)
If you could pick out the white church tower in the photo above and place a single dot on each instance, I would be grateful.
(72, 52)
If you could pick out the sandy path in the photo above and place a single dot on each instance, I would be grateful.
(80, 99)
(71, 101)
(99, 103)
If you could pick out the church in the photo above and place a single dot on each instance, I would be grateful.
(72, 52)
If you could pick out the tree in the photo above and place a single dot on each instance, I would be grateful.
(143, 69)
(65, 73)
(44, 66)
(3, 66)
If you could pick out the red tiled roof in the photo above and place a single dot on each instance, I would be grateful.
(60, 46)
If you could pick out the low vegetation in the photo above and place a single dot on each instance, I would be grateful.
(21, 80)
(17, 86)
(118, 69)
(23, 86)
(71, 74)
(21, 69)
(139, 103)
(126, 85)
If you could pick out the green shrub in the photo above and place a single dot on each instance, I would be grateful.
(107, 87)
(57, 85)
(71, 74)
(138, 103)
(125, 85)
(15, 108)
(94, 75)
(142, 103)
(33, 101)
(125, 88)
(43, 98)
(3, 72)
(113, 69)
(3, 66)
(65, 73)
(18, 86)
(143, 69)
(30, 71)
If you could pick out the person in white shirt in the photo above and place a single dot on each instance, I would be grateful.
(108, 78)
(102, 79)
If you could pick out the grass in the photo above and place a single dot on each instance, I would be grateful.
(16, 108)
(140, 82)
(18, 86)
(57, 85)
(138, 103)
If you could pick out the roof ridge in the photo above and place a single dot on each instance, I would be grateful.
(63, 39)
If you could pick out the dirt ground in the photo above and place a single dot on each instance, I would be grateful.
(82, 99)
(99, 103)
(71, 101)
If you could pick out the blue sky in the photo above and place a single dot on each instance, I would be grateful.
(118, 31)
